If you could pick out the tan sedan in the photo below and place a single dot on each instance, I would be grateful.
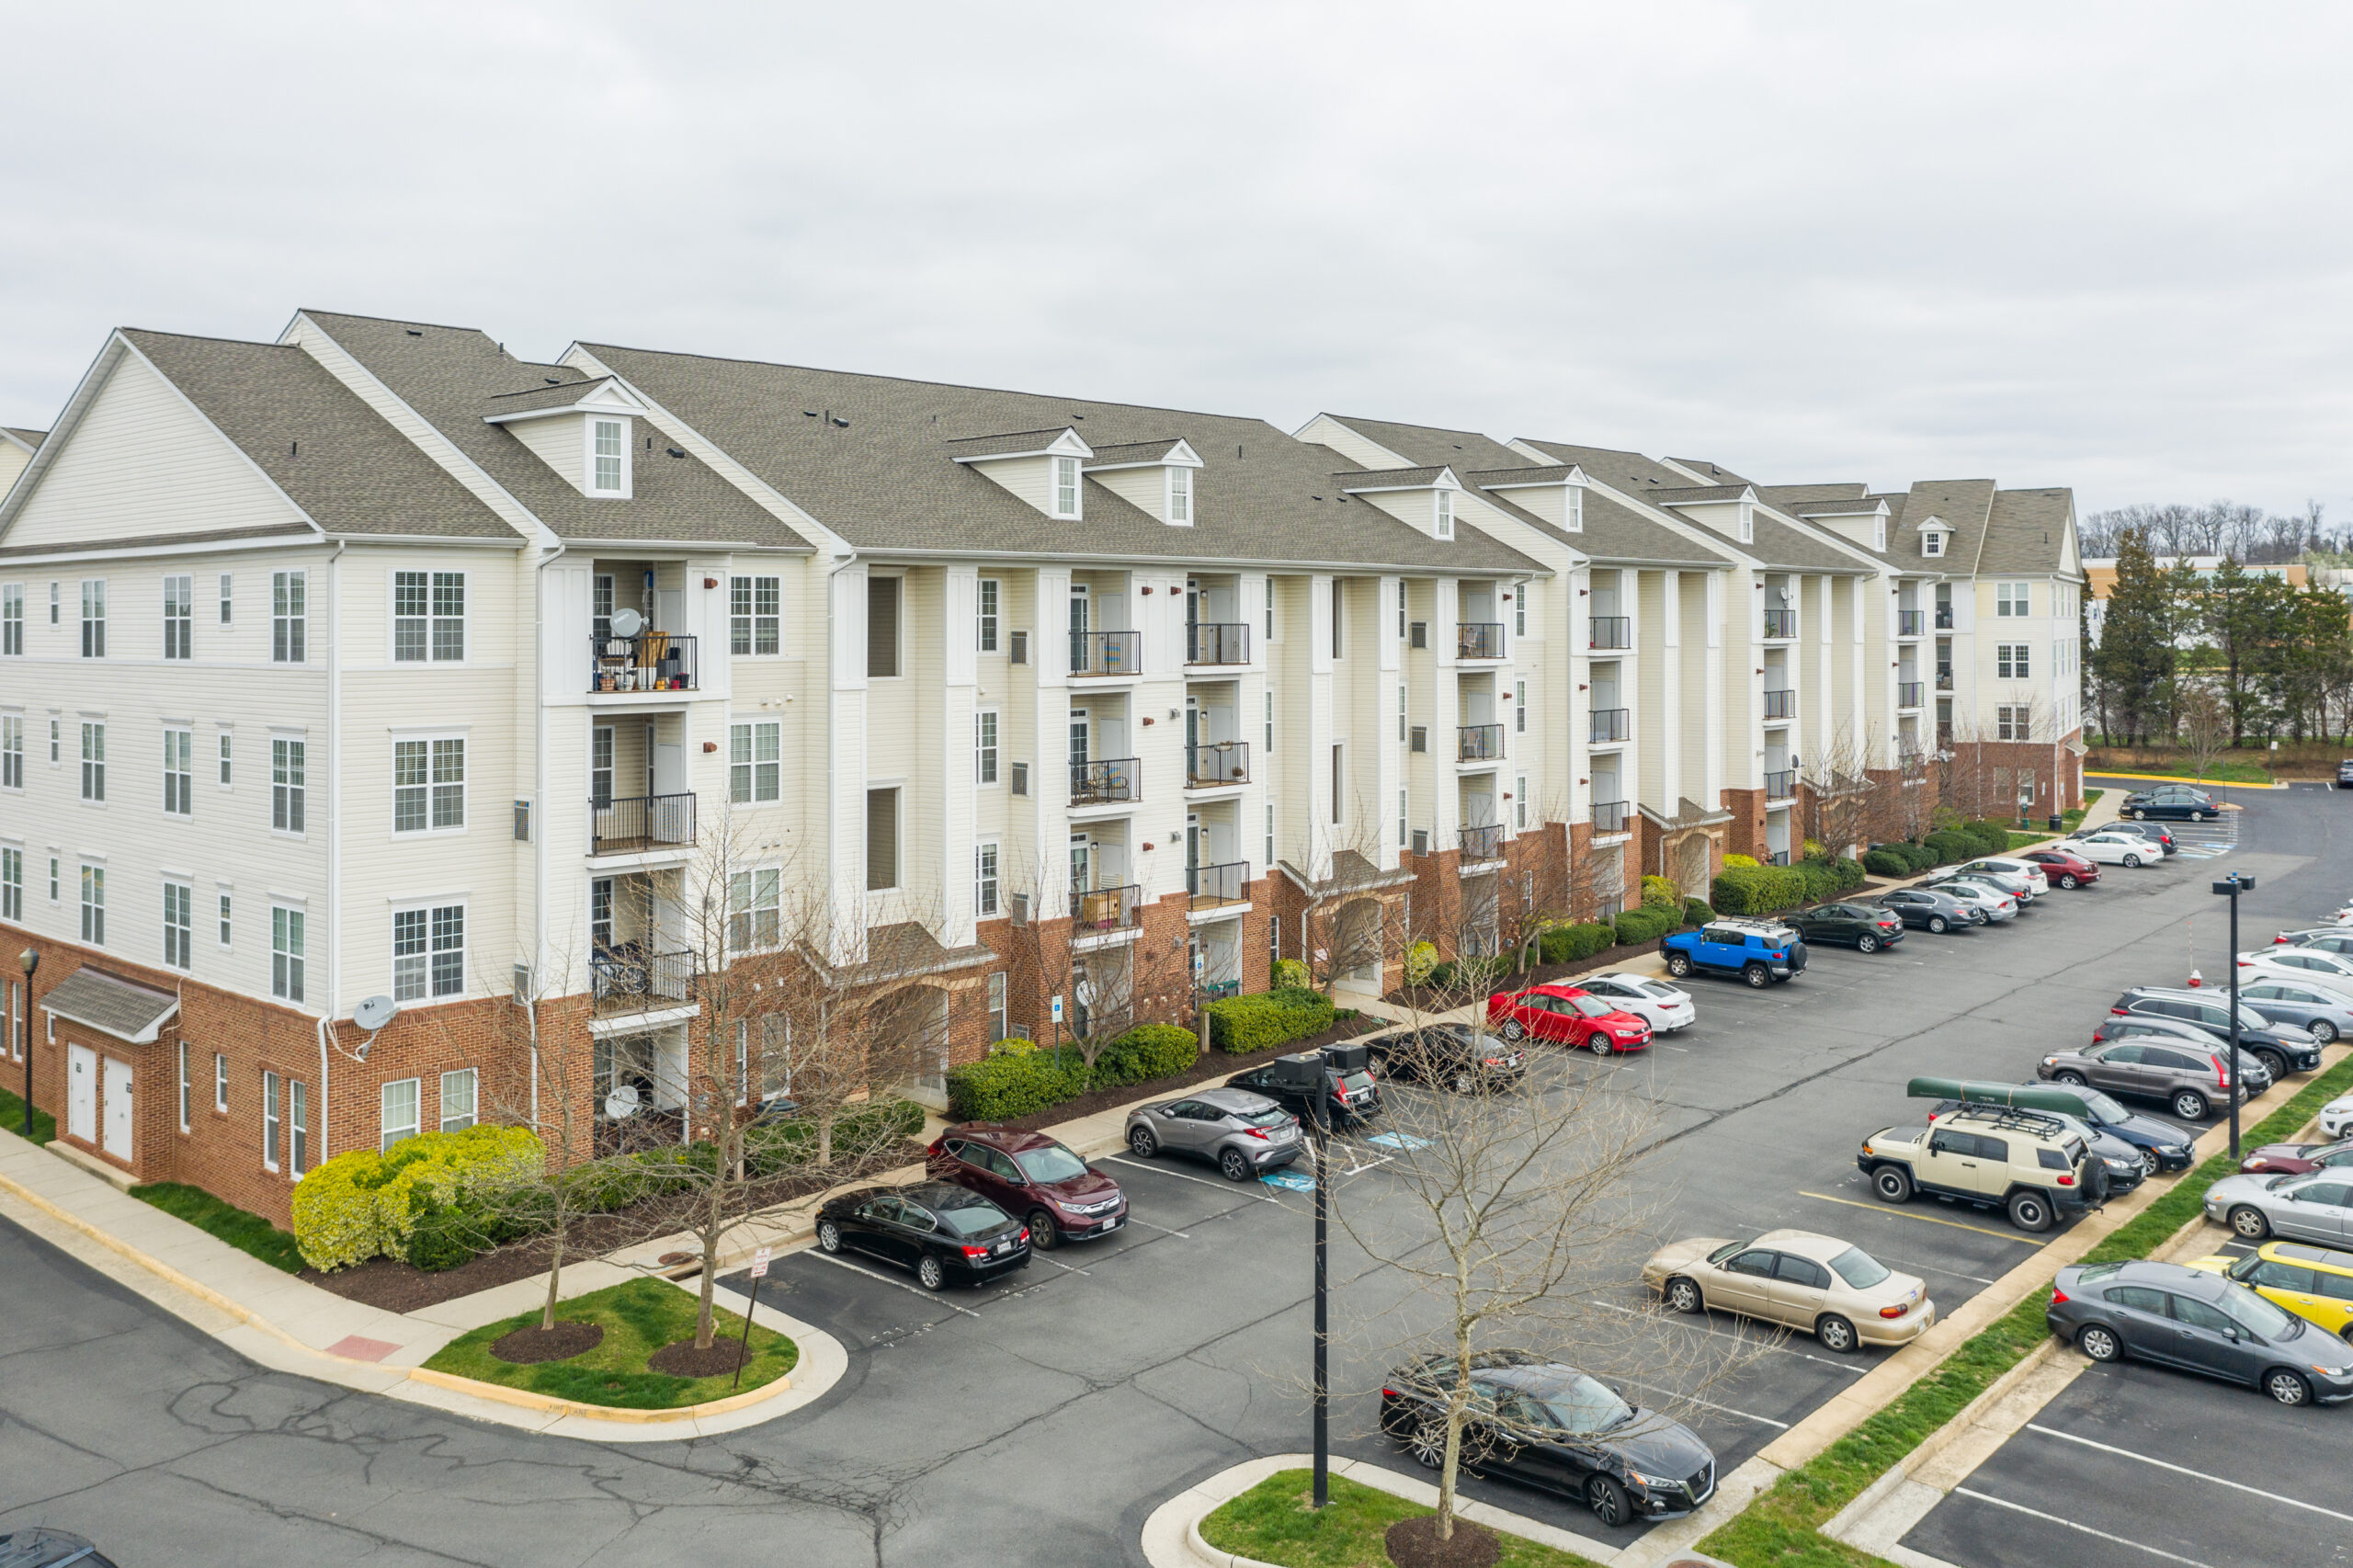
(1830, 1288)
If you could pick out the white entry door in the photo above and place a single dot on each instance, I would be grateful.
(119, 1117)
(82, 1093)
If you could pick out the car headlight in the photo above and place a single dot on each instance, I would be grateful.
(1639, 1479)
(2174, 1151)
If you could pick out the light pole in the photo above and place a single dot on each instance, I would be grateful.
(1323, 1278)
(2229, 887)
(30, 959)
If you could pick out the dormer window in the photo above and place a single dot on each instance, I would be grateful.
(1065, 487)
(608, 452)
(1573, 509)
(1444, 524)
(1180, 496)
(1747, 523)
(1932, 543)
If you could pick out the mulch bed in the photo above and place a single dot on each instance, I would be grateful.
(1214, 1068)
(1413, 1543)
(683, 1361)
(530, 1346)
(1430, 999)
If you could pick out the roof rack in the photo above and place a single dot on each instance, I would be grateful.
(2014, 1119)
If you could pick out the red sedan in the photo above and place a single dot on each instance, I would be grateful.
(1566, 1014)
(2063, 870)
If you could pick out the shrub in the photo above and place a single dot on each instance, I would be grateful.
(1697, 913)
(1013, 1084)
(1992, 837)
(1815, 851)
(1740, 862)
(1761, 890)
(1661, 892)
(1477, 975)
(1290, 974)
(1918, 856)
(1850, 872)
(1420, 959)
(364, 1204)
(1950, 845)
(1245, 1024)
(775, 1147)
(1145, 1053)
(1647, 923)
(1567, 944)
(1886, 863)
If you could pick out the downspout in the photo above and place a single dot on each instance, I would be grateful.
(334, 834)
(539, 828)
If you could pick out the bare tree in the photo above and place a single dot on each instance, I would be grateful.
(2205, 725)
(1845, 794)
(1108, 993)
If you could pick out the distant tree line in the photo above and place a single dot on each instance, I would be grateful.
(2255, 536)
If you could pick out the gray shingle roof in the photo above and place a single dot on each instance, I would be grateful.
(1390, 478)
(1844, 507)
(553, 392)
(1005, 443)
(1631, 473)
(1963, 505)
(1697, 495)
(1715, 471)
(153, 541)
(888, 483)
(1784, 495)
(28, 439)
(2027, 533)
(1134, 452)
(109, 1005)
(1430, 445)
(335, 456)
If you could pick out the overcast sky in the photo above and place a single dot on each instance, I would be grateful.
(2104, 246)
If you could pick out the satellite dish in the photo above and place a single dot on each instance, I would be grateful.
(627, 623)
(375, 1013)
(621, 1104)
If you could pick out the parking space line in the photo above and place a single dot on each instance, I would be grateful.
(1930, 1219)
(2183, 1469)
(1726, 1409)
(1037, 1256)
(1180, 1236)
(886, 1279)
(2086, 1529)
(1709, 1327)
(1181, 1176)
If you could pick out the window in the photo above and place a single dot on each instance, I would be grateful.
(428, 785)
(270, 1120)
(228, 599)
(1270, 843)
(985, 879)
(881, 839)
(399, 1117)
(881, 628)
(755, 760)
(288, 625)
(429, 616)
(225, 926)
(286, 953)
(600, 605)
(12, 751)
(53, 743)
(1519, 802)
(1400, 819)
(1444, 526)
(183, 1100)
(94, 906)
(1401, 606)
(2011, 723)
(996, 1006)
(285, 785)
(607, 476)
(1270, 609)
(600, 914)
(985, 620)
(600, 764)
(1932, 543)
(94, 617)
(1573, 513)
(12, 618)
(753, 617)
(1271, 724)
(1065, 487)
(1520, 707)
(1020, 778)
(94, 762)
(985, 745)
(12, 884)
(227, 758)
(179, 904)
(428, 953)
(53, 879)
(2010, 660)
(179, 618)
(1401, 711)
(1336, 783)
(754, 909)
(2013, 598)
(179, 772)
(221, 1083)
(1339, 612)
(458, 1100)
(297, 1127)
(1180, 496)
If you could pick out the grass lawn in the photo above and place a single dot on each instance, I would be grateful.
(2222, 771)
(639, 1318)
(1273, 1523)
(12, 1117)
(246, 1233)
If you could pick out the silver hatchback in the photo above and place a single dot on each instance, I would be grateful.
(1242, 1133)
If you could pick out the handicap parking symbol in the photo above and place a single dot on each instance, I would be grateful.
(1293, 1180)
(1397, 1140)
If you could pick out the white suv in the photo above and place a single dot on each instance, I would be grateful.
(2037, 880)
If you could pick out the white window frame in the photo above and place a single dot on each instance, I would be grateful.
(986, 742)
(755, 898)
(462, 1084)
(2013, 601)
(93, 761)
(298, 1127)
(754, 632)
(1401, 712)
(288, 784)
(598, 427)
(219, 1083)
(1932, 543)
(2013, 661)
(1519, 802)
(987, 885)
(1270, 729)
(179, 615)
(288, 951)
(1442, 514)
(228, 599)
(228, 759)
(1270, 841)
(94, 617)
(439, 793)
(1063, 495)
(179, 781)
(225, 911)
(55, 729)
(271, 1125)
(290, 617)
(1519, 708)
(1403, 594)
(434, 970)
(1519, 610)
(1270, 607)
(179, 937)
(93, 904)
(1572, 508)
(761, 778)
(437, 619)
(997, 1012)
(183, 1087)
(988, 606)
(399, 1113)
(1180, 496)
(1403, 839)
(12, 884)
(12, 751)
(12, 620)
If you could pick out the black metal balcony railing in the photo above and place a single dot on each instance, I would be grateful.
(1780, 704)
(1483, 843)
(1607, 724)
(1907, 694)
(1610, 816)
(1103, 783)
(1944, 677)
(1610, 631)
(1105, 653)
(1479, 742)
(651, 661)
(1217, 642)
(1221, 762)
(1781, 623)
(627, 977)
(1105, 909)
(1781, 786)
(1944, 617)
(1222, 883)
(1910, 622)
(640, 823)
(1479, 639)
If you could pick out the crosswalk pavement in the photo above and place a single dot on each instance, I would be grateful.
(2204, 840)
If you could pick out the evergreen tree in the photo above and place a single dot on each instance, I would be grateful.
(2134, 662)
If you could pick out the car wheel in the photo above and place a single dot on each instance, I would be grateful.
(2098, 1342)
(2067, 881)
(2250, 1223)
(2139, 816)
(1042, 1234)
(2072, 1079)
(931, 1274)
(2322, 1030)
(2132, 860)
(1598, 1043)
(1757, 976)
(1678, 965)
(829, 1236)
(2149, 1166)
(1426, 1443)
(2287, 1387)
(1683, 1295)
(1513, 1030)
(1234, 1165)
(2030, 1211)
(1142, 1142)
(1893, 1184)
(1607, 1501)
(1867, 943)
(2189, 1105)
(2273, 1064)
(1937, 925)
(1835, 1333)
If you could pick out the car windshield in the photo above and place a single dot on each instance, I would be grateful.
(1581, 1405)
(2256, 1315)
(2101, 1107)
(1593, 1006)
(1655, 989)
(969, 1219)
(1270, 1116)
(1049, 1164)
(1858, 1268)
(1725, 1251)
(1355, 1083)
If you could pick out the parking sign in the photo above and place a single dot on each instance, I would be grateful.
(759, 1262)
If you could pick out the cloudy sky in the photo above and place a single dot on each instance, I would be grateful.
(2096, 245)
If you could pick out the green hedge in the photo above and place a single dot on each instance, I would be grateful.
(1661, 892)
(1762, 890)
(1697, 913)
(1567, 944)
(424, 1198)
(1992, 837)
(1647, 923)
(1950, 845)
(1290, 974)
(1145, 1053)
(1886, 863)
(1014, 1083)
(1245, 1024)
(776, 1147)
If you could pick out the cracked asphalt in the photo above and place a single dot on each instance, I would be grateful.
(1043, 1420)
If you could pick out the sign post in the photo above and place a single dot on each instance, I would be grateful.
(759, 1270)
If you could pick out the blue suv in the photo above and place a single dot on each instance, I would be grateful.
(1759, 951)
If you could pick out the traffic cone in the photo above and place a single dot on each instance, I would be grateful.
(2196, 980)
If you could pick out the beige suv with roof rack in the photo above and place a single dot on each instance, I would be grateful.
(2028, 1162)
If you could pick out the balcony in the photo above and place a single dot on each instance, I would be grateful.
(1910, 622)
(1780, 704)
(1217, 642)
(627, 977)
(1106, 783)
(1479, 742)
(1907, 694)
(1220, 762)
(1610, 631)
(1479, 639)
(1781, 786)
(1944, 677)
(1781, 623)
(1483, 843)
(1213, 885)
(1105, 653)
(640, 823)
(1610, 816)
(1944, 617)
(651, 661)
(1605, 726)
(1100, 910)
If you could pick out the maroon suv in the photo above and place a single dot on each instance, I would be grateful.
(1056, 1194)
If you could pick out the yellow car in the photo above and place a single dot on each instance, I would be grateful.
(2314, 1283)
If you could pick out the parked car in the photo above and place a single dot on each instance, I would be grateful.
(2297, 963)
(2199, 1322)
(2063, 868)
(2281, 1048)
(1760, 951)
(38, 1548)
(2015, 889)
(2028, 872)
(1821, 1285)
(2316, 1206)
(1454, 1056)
(1664, 1007)
(2027, 1163)
(1242, 1135)
(1058, 1195)
(2299, 1159)
(2173, 802)
(942, 1231)
(2336, 1118)
(2157, 1146)
(2345, 773)
(2319, 1011)
(2126, 1169)
(2190, 1079)
(1566, 1014)
(2319, 938)
(1353, 1095)
(1862, 926)
(1549, 1426)
(2155, 832)
(1987, 903)
(2120, 849)
(2314, 1282)
(1931, 909)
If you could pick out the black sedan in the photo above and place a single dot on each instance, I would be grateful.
(1551, 1426)
(2199, 1322)
(2176, 801)
(1453, 1056)
(1867, 927)
(942, 1232)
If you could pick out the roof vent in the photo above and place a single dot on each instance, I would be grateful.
(552, 380)
(674, 452)
(413, 332)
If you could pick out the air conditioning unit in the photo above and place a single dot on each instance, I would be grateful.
(1418, 635)
(1020, 648)
(1421, 841)
(1419, 738)
(1020, 777)
(1018, 906)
